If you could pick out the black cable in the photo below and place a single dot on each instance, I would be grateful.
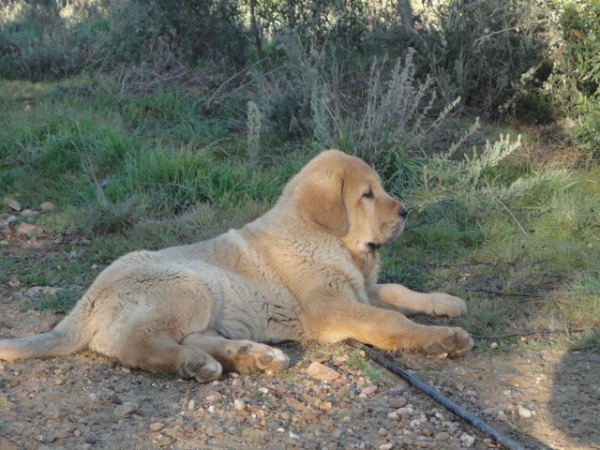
(446, 403)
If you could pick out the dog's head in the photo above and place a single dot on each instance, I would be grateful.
(345, 196)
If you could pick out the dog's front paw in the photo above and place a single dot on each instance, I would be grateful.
(447, 305)
(451, 342)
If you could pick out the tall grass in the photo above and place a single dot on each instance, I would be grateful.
(519, 240)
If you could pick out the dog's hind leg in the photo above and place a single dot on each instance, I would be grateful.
(241, 356)
(161, 353)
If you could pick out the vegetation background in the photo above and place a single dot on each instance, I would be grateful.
(151, 123)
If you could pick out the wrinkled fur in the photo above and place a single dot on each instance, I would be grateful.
(306, 270)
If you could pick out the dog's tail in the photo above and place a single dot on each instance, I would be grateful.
(72, 334)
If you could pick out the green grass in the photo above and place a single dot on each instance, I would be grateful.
(518, 240)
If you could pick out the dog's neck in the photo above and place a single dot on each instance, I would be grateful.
(369, 263)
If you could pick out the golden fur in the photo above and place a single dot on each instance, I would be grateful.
(306, 270)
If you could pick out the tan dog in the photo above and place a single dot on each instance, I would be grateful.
(305, 270)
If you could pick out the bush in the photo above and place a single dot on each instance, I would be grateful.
(478, 49)
(45, 39)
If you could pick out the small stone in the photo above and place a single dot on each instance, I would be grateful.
(467, 440)
(369, 390)
(28, 213)
(126, 409)
(157, 426)
(13, 204)
(325, 406)
(294, 436)
(387, 446)
(321, 372)
(399, 402)
(92, 440)
(443, 436)
(524, 413)
(13, 383)
(14, 282)
(502, 417)
(29, 229)
(239, 405)
(47, 206)
(191, 405)
(263, 390)
(337, 433)
(114, 398)
(43, 290)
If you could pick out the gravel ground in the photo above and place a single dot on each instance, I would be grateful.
(86, 401)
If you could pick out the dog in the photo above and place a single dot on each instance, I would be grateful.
(306, 270)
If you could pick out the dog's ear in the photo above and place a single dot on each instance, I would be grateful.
(319, 198)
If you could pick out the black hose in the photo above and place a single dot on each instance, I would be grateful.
(446, 403)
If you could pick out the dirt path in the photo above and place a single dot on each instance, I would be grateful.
(82, 401)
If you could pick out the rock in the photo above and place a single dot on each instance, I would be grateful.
(46, 290)
(13, 204)
(502, 417)
(126, 409)
(443, 436)
(114, 398)
(47, 206)
(467, 440)
(239, 405)
(399, 402)
(157, 426)
(29, 229)
(325, 406)
(14, 282)
(369, 390)
(524, 413)
(321, 372)
(29, 213)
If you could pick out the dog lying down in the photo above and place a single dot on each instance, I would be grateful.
(306, 270)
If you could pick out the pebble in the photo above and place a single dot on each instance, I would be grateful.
(29, 229)
(239, 405)
(114, 398)
(47, 206)
(467, 440)
(126, 409)
(443, 436)
(524, 413)
(369, 390)
(13, 204)
(399, 402)
(157, 426)
(321, 372)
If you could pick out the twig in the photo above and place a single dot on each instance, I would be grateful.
(446, 403)
(511, 215)
(529, 333)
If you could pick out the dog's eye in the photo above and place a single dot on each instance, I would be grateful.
(369, 194)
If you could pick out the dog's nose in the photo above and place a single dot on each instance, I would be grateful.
(403, 212)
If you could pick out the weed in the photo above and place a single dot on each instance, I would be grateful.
(60, 303)
(366, 367)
